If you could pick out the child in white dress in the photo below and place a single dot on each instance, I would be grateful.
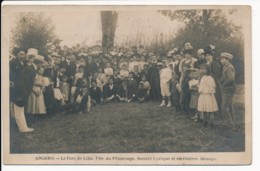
(207, 102)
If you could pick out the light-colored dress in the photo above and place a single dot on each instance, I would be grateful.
(207, 101)
(36, 103)
(64, 88)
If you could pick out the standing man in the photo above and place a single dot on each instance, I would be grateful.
(228, 88)
(154, 80)
(22, 89)
(165, 77)
(16, 67)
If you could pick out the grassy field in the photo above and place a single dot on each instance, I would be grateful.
(127, 127)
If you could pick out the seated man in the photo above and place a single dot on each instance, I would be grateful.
(109, 91)
(122, 92)
(95, 93)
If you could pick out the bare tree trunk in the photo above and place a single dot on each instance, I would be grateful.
(205, 18)
(109, 22)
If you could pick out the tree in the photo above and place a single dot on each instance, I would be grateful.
(34, 30)
(204, 27)
(109, 23)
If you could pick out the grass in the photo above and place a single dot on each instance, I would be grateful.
(127, 128)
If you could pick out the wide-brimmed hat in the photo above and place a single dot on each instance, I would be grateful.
(200, 51)
(39, 58)
(210, 49)
(32, 52)
(188, 48)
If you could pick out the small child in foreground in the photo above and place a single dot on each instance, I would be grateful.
(207, 102)
(83, 100)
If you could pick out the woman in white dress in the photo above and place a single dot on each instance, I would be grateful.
(207, 102)
(36, 103)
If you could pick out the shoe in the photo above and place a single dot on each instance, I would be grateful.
(27, 130)
(194, 118)
(169, 105)
(162, 104)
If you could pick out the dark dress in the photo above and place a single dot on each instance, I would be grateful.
(49, 99)
(216, 72)
(154, 80)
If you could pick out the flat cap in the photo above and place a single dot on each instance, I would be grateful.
(226, 55)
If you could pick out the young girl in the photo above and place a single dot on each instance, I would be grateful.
(64, 88)
(36, 103)
(193, 87)
(207, 102)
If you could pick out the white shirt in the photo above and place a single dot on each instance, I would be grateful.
(165, 75)
(108, 71)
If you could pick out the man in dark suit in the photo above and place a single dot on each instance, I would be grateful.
(91, 66)
(22, 89)
(228, 88)
(16, 67)
(155, 81)
(70, 65)
(95, 93)
(109, 91)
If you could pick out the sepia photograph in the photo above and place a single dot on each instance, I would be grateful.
(127, 84)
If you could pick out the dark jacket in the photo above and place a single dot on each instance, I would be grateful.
(23, 86)
(70, 68)
(16, 68)
(95, 94)
(107, 92)
(90, 68)
(227, 81)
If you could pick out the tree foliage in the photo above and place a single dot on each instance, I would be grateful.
(34, 30)
(204, 27)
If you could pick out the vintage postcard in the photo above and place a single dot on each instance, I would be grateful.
(126, 84)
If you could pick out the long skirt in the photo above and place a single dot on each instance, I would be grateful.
(207, 103)
(194, 99)
(36, 104)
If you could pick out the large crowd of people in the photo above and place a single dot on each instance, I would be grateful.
(73, 80)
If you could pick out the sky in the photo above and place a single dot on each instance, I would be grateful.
(73, 29)
(77, 26)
